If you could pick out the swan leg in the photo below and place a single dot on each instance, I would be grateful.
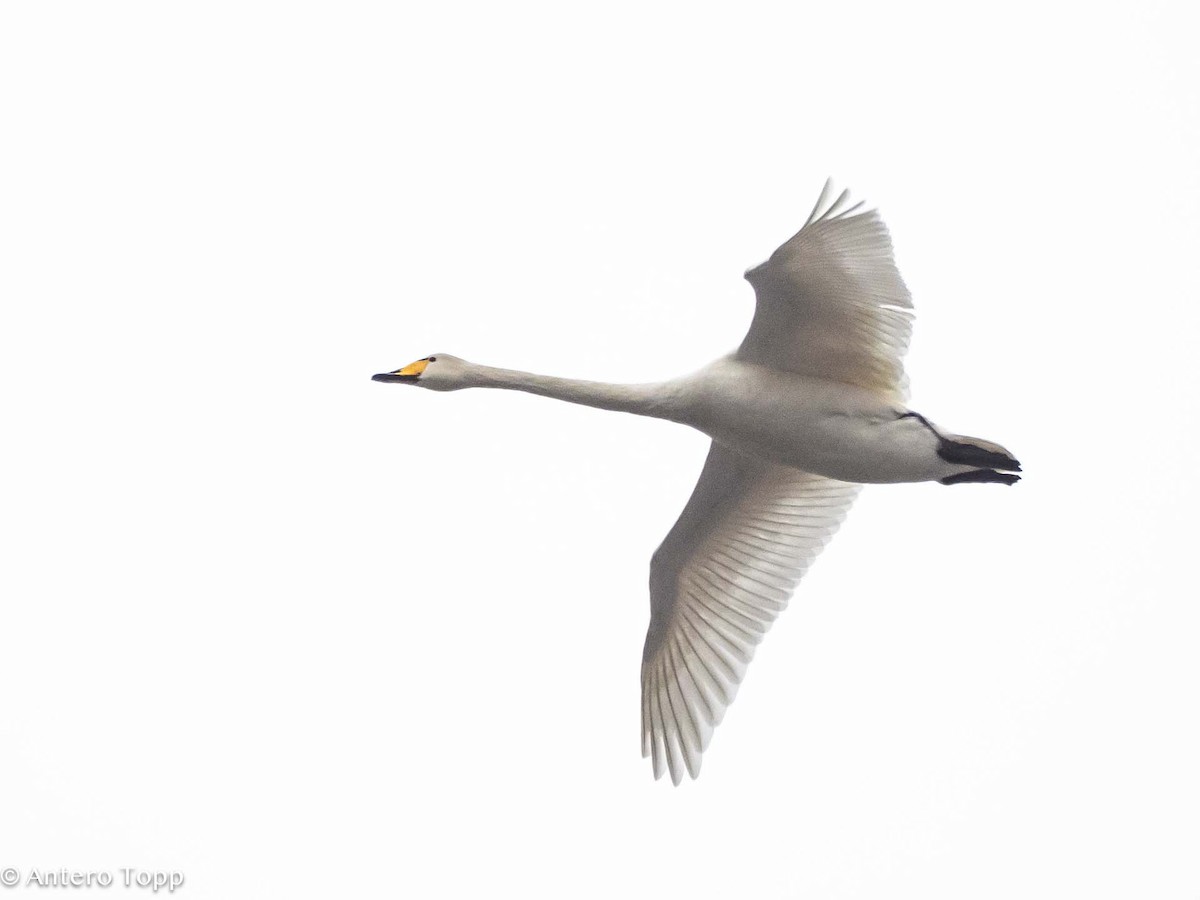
(968, 451)
(981, 476)
(975, 452)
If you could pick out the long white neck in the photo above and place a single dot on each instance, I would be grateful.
(662, 401)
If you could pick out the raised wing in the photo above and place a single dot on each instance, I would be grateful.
(724, 572)
(831, 303)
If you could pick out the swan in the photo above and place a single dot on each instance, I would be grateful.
(808, 409)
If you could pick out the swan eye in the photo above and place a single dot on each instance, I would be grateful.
(433, 359)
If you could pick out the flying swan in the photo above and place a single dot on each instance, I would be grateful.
(809, 408)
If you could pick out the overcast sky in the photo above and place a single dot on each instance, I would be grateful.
(293, 633)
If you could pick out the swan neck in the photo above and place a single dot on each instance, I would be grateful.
(640, 399)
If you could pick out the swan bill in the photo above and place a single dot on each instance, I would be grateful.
(406, 374)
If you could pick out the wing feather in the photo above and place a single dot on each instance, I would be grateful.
(831, 303)
(717, 583)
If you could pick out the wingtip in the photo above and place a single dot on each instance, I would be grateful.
(841, 208)
(821, 198)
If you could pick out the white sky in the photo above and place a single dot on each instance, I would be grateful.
(297, 634)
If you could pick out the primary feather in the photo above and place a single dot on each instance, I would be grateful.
(717, 582)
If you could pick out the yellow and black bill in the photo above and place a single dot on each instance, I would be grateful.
(409, 373)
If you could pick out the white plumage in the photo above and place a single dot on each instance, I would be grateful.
(725, 571)
(809, 407)
(831, 303)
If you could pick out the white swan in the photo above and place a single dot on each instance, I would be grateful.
(808, 408)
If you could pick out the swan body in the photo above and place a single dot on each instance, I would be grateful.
(809, 408)
(824, 427)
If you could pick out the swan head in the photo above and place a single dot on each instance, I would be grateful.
(439, 372)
